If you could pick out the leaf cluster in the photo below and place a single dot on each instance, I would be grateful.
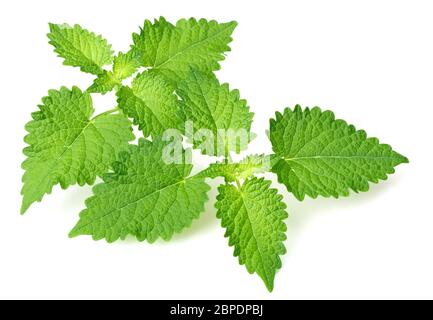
(141, 195)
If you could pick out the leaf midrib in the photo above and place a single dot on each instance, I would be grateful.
(214, 124)
(337, 157)
(133, 202)
(68, 147)
(254, 236)
(149, 104)
(190, 47)
(90, 61)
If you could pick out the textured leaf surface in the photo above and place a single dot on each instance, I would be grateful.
(253, 218)
(105, 82)
(251, 165)
(80, 48)
(66, 146)
(172, 50)
(144, 197)
(152, 104)
(319, 155)
(124, 66)
(211, 106)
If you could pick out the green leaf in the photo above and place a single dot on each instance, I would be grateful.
(66, 146)
(247, 167)
(105, 82)
(172, 50)
(152, 104)
(124, 66)
(319, 155)
(80, 48)
(213, 107)
(144, 197)
(253, 217)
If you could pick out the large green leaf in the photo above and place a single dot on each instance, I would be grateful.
(144, 197)
(319, 155)
(253, 218)
(172, 50)
(67, 146)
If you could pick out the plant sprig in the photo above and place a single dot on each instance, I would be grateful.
(147, 190)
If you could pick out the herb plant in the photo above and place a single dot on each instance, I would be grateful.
(175, 91)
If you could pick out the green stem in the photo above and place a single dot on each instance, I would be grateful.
(105, 113)
(238, 184)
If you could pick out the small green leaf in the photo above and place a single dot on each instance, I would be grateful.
(124, 66)
(105, 82)
(144, 197)
(319, 155)
(80, 48)
(251, 165)
(253, 218)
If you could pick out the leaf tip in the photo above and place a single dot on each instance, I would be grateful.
(73, 233)
(404, 159)
(269, 283)
(233, 24)
(24, 208)
(25, 204)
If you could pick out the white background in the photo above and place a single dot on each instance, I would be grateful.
(371, 62)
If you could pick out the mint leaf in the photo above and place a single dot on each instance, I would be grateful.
(211, 106)
(147, 190)
(66, 146)
(105, 82)
(319, 155)
(80, 48)
(247, 167)
(144, 197)
(124, 66)
(253, 218)
(172, 50)
(152, 104)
